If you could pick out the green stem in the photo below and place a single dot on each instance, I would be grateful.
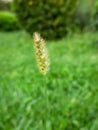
(45, 98)
(46, 103)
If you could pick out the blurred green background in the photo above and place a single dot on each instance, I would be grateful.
(67, 97)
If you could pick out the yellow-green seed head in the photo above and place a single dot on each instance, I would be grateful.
(41, 53)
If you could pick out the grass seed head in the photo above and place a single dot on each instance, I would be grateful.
(41, 53)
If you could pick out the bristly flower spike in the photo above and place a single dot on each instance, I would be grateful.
(41, 53)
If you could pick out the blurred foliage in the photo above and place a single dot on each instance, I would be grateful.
(4, 5)
(84, 17)
(72, 84)
(95, 16)
(8, 21)
(52, 18)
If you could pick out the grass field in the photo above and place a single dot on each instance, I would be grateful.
(72, 84)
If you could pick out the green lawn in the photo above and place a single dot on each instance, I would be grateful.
(72, 84)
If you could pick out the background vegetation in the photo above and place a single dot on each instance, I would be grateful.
(53, 17)
(56, 19)
(62, 17)
(8, 21)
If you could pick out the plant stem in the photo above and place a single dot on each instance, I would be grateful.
(46, 103)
